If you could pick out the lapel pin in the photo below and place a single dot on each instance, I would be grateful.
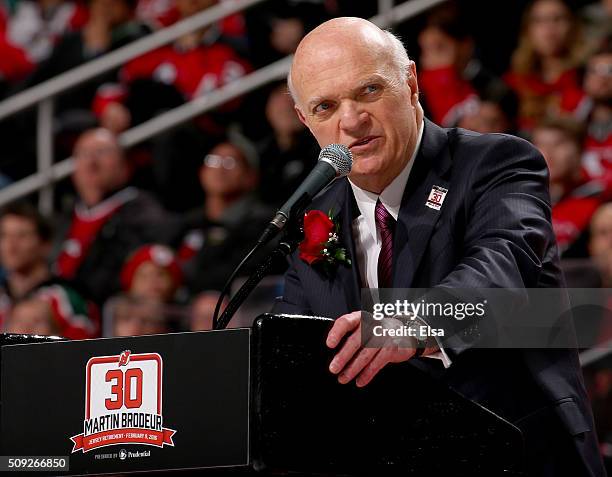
(436, 197)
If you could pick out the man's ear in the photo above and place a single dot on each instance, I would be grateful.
(411, 80)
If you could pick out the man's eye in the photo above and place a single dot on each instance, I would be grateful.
(371, 88)
(322, 107)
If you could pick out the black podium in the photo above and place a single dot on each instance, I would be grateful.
(256, 401)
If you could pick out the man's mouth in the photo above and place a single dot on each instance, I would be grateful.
(363, 141)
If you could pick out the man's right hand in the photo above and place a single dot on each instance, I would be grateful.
(354, 361)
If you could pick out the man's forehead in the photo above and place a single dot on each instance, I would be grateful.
(328, 75)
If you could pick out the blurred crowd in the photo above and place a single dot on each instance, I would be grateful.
(143, 239)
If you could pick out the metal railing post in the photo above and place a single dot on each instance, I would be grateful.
(44, 154)
(385, 10)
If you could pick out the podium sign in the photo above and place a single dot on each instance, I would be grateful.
(127, 404)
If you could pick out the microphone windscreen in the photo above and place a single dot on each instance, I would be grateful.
(339, 156)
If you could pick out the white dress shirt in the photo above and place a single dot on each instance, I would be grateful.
(367, 238)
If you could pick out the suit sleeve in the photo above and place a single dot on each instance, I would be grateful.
(508, 238)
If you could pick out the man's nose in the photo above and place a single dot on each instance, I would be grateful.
(353, 118)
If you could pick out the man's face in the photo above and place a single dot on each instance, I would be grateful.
(32, 317)
(136, 318)
(488, 117)
(347, 94)
(598, 77)
(202, 311)
(225, 172)
(562, 154)
(20, 245)
(549, 27)
(99, 165)
(152, 282)
(601, 232)
(439, 50)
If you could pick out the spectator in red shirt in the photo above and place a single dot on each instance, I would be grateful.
(14, 62)
(195, 64)
(14, 65)
(543, 72)
(573, 196)
(472, 95)
(110, 25)
(110, 219)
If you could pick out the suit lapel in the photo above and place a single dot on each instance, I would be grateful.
(345, 288)
(416, 221)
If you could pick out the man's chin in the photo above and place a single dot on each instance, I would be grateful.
(366, 166)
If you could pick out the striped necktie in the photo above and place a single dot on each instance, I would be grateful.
(385, 223)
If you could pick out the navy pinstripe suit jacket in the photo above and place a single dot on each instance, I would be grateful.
(493, 230)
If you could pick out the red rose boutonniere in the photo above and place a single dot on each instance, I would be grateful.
(320, 244)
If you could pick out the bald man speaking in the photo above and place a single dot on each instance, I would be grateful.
(487, 227)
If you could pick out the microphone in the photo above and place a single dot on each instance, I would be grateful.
(334, 161)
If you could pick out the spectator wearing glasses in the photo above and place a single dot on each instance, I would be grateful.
(222, 232)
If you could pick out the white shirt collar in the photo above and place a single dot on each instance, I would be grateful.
(391, 196)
